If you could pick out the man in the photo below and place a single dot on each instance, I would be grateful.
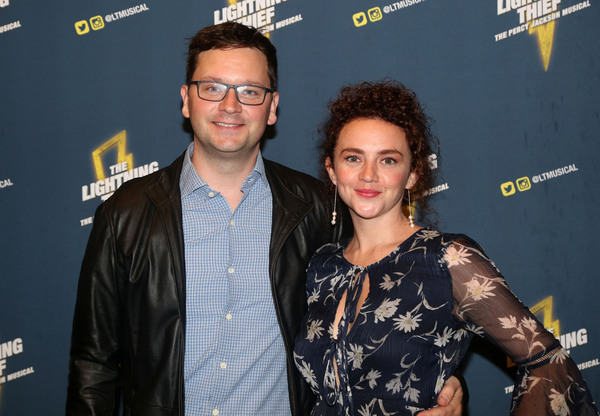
(192, 286)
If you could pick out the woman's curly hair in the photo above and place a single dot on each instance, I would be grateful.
(392, 102)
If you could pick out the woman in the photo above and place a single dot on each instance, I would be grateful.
(392, 310)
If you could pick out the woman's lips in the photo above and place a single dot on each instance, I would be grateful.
(367, 193)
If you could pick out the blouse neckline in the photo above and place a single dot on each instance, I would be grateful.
(344, 245)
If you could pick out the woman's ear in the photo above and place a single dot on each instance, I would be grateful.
(330, 170)
(412, 180)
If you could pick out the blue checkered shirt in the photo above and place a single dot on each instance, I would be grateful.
(235, 361)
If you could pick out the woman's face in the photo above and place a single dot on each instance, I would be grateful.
(371, 168)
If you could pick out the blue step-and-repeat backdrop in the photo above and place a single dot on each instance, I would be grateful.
(89, 98)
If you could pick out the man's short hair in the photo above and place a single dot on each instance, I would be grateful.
(231, 35)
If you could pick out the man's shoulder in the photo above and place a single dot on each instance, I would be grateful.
(164, 183)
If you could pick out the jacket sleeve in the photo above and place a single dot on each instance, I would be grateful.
(94, 367)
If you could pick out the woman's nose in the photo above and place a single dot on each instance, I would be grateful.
(368, 173)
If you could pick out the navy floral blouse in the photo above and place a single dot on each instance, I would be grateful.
(426, 299)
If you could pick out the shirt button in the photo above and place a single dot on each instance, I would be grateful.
(211, 194)
(228, 316)
(215, 412)
(232, 222)
(223, 365)
(230, 270)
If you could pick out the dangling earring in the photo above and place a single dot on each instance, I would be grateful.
(334, 213)
(410, 211)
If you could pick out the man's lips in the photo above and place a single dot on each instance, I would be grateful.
(223, 124)
(367, 193)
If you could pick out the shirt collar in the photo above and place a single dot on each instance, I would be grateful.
(190, 181)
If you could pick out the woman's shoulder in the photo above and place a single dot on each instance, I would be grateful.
(440, 242)
(327, 263)
(328, 251)
(443, 238)
(455, 249)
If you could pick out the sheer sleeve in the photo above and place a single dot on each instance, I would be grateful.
(548, 381)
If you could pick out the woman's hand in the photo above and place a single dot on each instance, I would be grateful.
(449, 399)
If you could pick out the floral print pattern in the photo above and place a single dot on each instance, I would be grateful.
(427, 299)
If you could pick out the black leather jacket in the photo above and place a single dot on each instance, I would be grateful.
(129, 322)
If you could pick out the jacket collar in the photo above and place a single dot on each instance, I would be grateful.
(166, 196)
(289, 210)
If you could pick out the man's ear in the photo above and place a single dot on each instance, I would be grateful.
(185, 98)
(273, 109)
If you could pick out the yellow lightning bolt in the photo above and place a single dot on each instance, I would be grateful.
(545, 37)
(120, 140)
(545, 307)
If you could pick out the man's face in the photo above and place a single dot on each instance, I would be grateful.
(228, 128)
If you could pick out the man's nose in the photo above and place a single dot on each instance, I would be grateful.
(230, 103)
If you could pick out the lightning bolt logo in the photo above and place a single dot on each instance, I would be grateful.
(119, 140)
(545, 38)
(545, 307)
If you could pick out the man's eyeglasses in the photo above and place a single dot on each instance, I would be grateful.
(245, 94)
